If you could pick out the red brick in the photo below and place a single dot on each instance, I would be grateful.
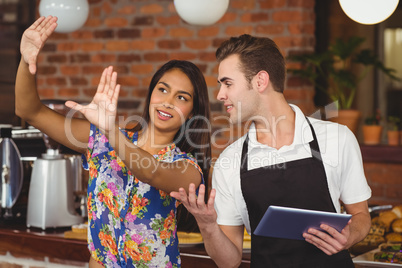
(207, 56)
(80, 58)
(181, 32)
(130, 58)
(153, 32)
(142, 69)
(144, 20)
(169, 44)
(68, 46)
(128, 80)
(211, 81)
(89, 69)
(291, 41)
(59, 58)
(146, 81)
(46, 70)
(118, 45)
(183, 56)
(68, 92)
(155, 56)
(77, 81)
(92, 46)
(128, 33)
(106, 7)
(126, 10)
(243, 4)
(123, 92)
(93, 22)
(140, 93)
(104, 34)
(297, 28)
(270, 29)
(254, 17)
(287, 16)
(301, 3)
(143, 45)
(151, 9)
(116, 22)
(90, 92)
(272, 4)
(228, 17)
(82, 34)
(198, 44)
(58, 81)
(208, 31)
(103, 58)
(238, 30)
(171, 20)
(46, 93)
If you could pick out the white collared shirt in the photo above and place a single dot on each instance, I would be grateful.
(339, 150)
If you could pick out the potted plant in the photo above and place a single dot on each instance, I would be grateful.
(372, 129)
(332, 72)
(393, 130)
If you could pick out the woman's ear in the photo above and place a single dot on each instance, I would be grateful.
(262, 80)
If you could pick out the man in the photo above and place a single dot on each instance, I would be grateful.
(285, 159)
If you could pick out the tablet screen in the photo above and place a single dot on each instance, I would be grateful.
(291, 223)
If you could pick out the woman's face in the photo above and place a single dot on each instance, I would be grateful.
(171, 102)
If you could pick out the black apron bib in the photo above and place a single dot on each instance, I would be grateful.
(298, 184)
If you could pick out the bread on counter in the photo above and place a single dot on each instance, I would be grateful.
(398, 211)
(397, 225)
(387, 217)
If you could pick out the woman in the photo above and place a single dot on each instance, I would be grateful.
(132, 218)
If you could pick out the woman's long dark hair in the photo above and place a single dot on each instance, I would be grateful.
(194, 135)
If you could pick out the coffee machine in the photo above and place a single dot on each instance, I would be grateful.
(51, 192)
(51, 197)
(11, 172)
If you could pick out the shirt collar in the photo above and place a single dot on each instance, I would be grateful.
(303, 134)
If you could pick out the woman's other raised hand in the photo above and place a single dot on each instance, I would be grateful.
(102, 110)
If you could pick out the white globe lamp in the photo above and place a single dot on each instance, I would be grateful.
(71, 14)
(368, 11)
(201, 12)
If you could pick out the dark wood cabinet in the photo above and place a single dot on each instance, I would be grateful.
(15, 17)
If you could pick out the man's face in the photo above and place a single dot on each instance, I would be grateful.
(235, 91)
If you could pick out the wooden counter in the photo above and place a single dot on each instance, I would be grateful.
(35, 243)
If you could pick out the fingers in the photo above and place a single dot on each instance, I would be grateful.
(331, 242)
(36, 23)
(211, 199)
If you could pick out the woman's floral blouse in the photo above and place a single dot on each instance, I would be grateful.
(130, 223)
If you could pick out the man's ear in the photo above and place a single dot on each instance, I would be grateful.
(261, 80)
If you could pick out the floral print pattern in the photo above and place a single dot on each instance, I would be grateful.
(131, 224)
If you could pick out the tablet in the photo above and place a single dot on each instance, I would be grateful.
(291, 223)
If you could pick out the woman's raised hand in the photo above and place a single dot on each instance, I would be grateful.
(34, 39)
(102, 110)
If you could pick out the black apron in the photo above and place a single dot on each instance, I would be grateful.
(298, 184)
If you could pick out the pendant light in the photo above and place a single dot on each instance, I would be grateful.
(71, 14)
(368, 11)
(201, 12)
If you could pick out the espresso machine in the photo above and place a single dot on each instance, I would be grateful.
(11, 172)
(51, 197)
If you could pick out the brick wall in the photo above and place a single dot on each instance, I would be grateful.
(138, 36)
(385, 182)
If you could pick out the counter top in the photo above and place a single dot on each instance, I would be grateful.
(25, 242)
